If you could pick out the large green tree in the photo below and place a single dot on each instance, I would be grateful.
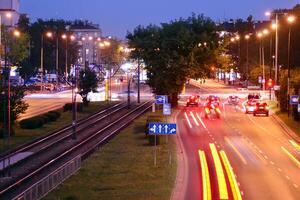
(175, 51)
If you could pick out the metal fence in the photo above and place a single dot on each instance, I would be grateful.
(50, 182)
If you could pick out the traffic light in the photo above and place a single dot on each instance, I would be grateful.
(270, 84)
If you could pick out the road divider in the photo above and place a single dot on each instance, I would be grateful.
(232, 180)
(194, 118)
(223, 193)
(198, 116)
(295, 160)
(206, 188)
(295, 144)
(236, 150)
(188, 120)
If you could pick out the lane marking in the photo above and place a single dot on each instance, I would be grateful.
(188, 120)
(295, 144)
(201, 121)
(194, 118)
(258, 125)
(205, 176)
(231, 176)
(236, 151)
(291, 156)
(223, 193)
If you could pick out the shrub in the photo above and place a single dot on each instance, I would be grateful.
(69, 107)
(32, 123)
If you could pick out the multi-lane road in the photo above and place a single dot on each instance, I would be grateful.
(43, 102)
(236, 157)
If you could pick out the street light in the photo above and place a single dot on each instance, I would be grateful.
(247, 37)
(6, 80)
(290, 20)
(72, 38)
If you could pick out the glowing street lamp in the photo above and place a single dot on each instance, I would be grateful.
(49, 34)
(16, 33)
(266, 32)
(290, 19)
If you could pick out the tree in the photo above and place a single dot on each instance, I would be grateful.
(88, 82)
(174, 52)
(112, 56)
(17, 104)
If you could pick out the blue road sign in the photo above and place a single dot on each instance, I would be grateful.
(294, 99)
(162, 129)
(299, 108)
(161, 99)
(167, 109)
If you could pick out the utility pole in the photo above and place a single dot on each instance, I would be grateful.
(276, 51)
(74, 104)
(289, 72)
(139, 72)
(57, 82)
(42, 61)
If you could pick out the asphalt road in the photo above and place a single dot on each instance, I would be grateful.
(264, 159)
(41, 103)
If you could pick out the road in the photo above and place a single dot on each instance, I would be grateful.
(41, 103)
(264, 160)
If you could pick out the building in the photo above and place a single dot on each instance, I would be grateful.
(9, 12)
(88, 35)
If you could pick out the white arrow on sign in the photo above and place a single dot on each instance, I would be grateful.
(173, 130)
(159, 128)
(166, 128)
(153, 129)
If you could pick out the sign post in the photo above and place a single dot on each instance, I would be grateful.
(156, 128)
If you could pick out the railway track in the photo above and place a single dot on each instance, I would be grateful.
(57, 149)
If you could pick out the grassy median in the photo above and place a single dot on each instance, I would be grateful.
(25, 135)
(124, 169)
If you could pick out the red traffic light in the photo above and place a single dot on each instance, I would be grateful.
(270, 83)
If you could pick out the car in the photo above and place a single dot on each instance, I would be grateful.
(192, 100)
(233, 99)
(250, 106)
(261, 108)
(212, 107)
(213, 98)
(254, 96)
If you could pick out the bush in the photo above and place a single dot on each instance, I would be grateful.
(69, 107)
(32, 123)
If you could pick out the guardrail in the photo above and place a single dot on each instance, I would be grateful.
(43, 187)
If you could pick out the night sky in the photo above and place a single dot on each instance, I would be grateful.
(116, 17)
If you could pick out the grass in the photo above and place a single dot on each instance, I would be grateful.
(24, 135)
(124, 169)
(292, 124)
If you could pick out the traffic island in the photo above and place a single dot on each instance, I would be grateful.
(124, 169)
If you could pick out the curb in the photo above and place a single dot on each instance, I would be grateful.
(286, 129)
(179, 188)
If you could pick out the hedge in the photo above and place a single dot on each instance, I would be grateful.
(40, 120)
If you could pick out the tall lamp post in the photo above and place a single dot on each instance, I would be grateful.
(247, 37)
(49, 35)
(290, 20)
(6, 79)
(72, 38)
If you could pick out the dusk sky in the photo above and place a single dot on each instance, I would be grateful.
(116, 17)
